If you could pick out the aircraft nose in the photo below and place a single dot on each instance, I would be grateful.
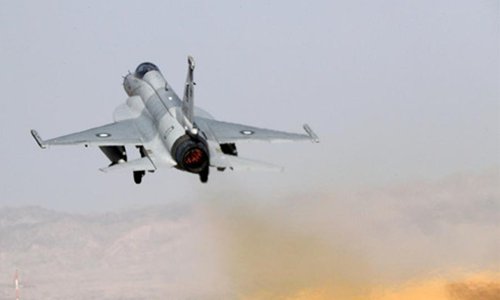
(144, 68)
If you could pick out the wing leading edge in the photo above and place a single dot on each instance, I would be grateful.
(115, 134)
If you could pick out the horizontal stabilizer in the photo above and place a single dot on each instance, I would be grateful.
(243, 164)
(140, 164)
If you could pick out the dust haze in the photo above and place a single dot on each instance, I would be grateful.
(436, 238)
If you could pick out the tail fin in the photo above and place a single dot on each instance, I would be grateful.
(188, 100)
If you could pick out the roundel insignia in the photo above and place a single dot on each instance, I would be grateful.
(247, 132)
(103, 135)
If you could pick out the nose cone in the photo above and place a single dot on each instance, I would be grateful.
(144, 68)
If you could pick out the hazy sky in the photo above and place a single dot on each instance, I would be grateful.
(396, 90)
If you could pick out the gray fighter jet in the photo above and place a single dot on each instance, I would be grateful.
(170, 132)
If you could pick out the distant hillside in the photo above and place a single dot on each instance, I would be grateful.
(130, 255)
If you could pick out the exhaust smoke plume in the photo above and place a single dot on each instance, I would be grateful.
(426, 240)
(268, 258)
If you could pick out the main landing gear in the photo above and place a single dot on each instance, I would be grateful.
(138, 176)
(204, 175)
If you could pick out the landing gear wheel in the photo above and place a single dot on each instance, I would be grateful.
(138, 176)
(204, 176)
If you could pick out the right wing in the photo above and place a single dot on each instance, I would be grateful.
(225, 132)
(119, 133)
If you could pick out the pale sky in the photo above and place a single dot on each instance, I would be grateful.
(397, 91)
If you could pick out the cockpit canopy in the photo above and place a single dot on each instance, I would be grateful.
(145, 67)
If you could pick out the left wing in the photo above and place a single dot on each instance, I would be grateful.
(225, 132)
(115, 134)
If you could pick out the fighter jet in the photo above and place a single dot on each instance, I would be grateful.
(170, 132)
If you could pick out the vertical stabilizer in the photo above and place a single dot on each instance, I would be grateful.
(188, 100)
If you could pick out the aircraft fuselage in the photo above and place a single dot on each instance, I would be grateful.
(164, 107)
